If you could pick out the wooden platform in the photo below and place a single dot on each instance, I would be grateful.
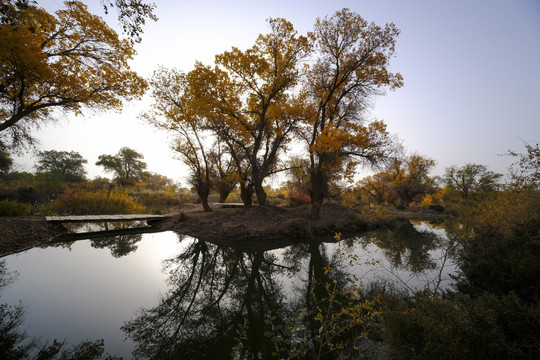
(103, 218)
(228, 205)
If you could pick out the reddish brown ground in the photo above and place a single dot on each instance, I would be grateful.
(231, 226)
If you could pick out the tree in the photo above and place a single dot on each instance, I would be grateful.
(267, 112)
(255, 101)
(65, 61)
(70, 165)
(173, 111)
(410, 180)
(350, 64)
(403, 181)
(190, 146)
(157, 182)
(471, 180)
(377, 187)
(213, 99)
(127, 165)
(298, 171)
(132, 14)
(246, 100)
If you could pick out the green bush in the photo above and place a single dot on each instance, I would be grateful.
(14, 208)
(85, 203)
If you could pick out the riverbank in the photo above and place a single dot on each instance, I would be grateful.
(237, 227)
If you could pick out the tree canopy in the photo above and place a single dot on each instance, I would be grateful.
(471, 180)
(127, 165)
(65, 61)
(69, 165)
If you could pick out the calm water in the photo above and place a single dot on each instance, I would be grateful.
(172, 295)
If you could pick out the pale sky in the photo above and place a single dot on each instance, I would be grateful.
(471, 70)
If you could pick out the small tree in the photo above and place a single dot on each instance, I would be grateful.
(69, 165)
(190, 145)
(127, 165)
(410, 180)
(471, 180)
(377, 188)
(404, 180)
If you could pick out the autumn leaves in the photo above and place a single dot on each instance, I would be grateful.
(66, 61)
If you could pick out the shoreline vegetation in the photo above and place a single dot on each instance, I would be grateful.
(236, 227)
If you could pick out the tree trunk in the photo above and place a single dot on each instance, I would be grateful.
(261, 194)
(246, 193)
(206, 206)
(203, 191)
(223, 195)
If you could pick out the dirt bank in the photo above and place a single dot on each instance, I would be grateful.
(230, 226)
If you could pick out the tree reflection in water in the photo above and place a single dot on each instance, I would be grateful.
(120, 245)
(223, 303)
(405, 246)
(212, 290)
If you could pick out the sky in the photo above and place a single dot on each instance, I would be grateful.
(471, 73)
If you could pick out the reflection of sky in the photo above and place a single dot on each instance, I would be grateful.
(88, 294)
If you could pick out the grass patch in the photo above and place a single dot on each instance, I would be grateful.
(14, 208)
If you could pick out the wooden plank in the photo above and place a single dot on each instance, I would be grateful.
(228, 205)
(103, 218)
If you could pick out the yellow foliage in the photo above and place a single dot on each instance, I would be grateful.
(432, 199)
(348, 199)
(502, 213)
(69, 60)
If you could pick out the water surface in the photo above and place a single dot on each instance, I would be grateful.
(177, 296)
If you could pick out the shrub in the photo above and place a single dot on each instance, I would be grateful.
(14, 208)
(157, 201)
(374, 213)
(296, 198)
(458, 327)
(85, 203)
